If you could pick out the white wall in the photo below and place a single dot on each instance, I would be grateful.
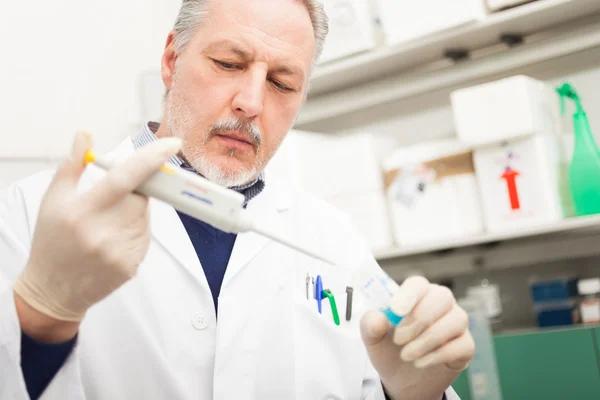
(71, 65)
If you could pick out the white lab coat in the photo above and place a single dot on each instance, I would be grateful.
(157, 336)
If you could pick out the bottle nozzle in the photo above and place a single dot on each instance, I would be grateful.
(567, 91)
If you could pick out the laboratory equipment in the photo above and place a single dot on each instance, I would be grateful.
(584, 172)
(198, 197)
(590, 305)
(482, 371)
(489, 295)
(379, 289)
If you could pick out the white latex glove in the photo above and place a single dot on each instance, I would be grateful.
(87, 245)
(422, 356)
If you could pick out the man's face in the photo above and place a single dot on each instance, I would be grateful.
(237, 87)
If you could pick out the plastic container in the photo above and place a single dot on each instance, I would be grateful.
(482, 371)
(489, 295)
(584, 171)
(432, 193)
(590, 305)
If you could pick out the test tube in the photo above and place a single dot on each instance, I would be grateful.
(379, 289)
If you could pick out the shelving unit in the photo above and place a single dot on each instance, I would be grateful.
(551, 29)
(568, 225)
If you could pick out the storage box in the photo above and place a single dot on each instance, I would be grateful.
(553, 290)
(432, 193)
(556, 314)
(405, 21)
(519, 183)
(351, 28)
(504, 109)
(327, 164)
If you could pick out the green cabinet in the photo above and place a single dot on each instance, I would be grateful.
(461, 386)
(561, 364)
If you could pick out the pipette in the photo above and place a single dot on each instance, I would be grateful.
(202, 199)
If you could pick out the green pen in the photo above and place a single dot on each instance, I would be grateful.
(336, 318)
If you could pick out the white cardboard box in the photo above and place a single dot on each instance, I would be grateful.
(328, 164)
(405, 21)
(519, 183)
(507, 108)
(351, 28)
(427, 202)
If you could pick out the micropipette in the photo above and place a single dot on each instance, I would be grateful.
(207, 201)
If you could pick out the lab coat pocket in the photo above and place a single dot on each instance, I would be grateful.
(330, 359)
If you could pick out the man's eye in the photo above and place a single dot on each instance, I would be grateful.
(227, 66)
(280, 86)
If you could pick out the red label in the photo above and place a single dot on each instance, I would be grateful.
(510, 175)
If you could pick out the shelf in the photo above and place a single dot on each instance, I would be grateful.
(564, 226)
(542, 49)
(523, 20)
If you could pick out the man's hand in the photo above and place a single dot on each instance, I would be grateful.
(87, 245)
(422, 356)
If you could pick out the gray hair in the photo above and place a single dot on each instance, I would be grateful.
(192, 13)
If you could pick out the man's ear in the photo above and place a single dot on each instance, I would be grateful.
(168, 61)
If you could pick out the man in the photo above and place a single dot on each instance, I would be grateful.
(105, 294)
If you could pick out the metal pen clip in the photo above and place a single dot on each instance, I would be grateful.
(308, 279)
(349, 293)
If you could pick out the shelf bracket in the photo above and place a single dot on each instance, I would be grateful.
(512, 39)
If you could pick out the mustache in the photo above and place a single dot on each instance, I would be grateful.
(237, 124)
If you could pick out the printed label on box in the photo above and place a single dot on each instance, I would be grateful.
(411, 183)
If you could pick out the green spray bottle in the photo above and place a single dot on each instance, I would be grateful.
(584, 172)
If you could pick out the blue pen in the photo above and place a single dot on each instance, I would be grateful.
(319, 293)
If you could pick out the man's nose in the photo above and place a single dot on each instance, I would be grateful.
(249, 100)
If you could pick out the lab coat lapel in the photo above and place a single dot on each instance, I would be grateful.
(265, 209)
(169, 232)
(165, 225)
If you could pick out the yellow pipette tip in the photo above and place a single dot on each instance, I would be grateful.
(90, 157)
